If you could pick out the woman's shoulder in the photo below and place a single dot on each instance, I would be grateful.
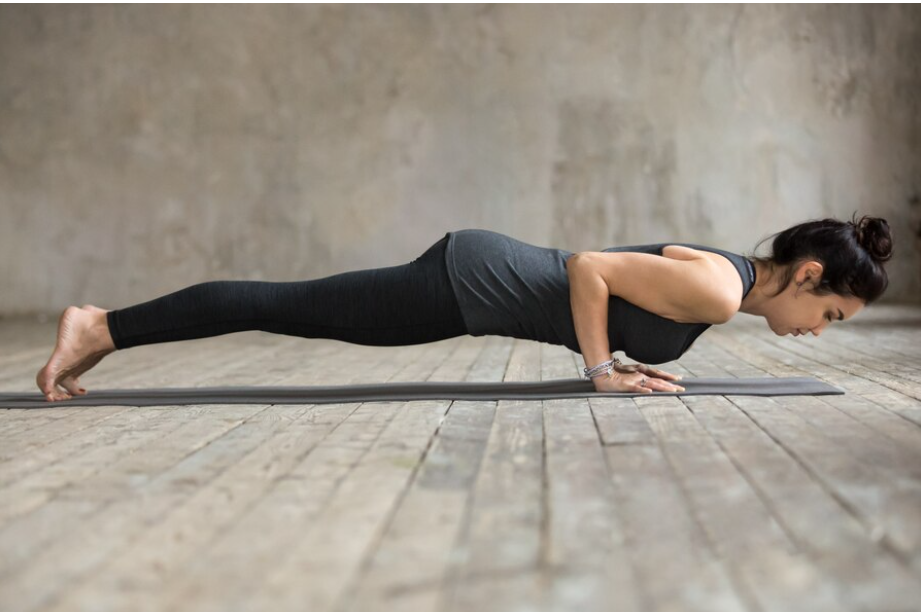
(727, 269)
(732, 268)
(686, 253)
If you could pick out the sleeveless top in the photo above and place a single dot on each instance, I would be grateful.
(510, 288)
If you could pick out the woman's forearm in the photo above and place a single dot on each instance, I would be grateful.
(588, 296)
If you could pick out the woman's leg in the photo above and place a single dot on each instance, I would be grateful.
(400, 305)
(407, 304)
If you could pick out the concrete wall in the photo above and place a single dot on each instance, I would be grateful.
(147, 148)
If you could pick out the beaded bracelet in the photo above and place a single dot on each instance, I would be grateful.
(608, 368)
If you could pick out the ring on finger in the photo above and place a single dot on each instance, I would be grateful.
(643, 383)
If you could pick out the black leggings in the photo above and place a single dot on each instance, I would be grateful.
(407, 304)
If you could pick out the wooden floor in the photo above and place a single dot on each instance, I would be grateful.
(704, 503)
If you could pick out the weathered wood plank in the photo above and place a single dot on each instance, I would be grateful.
(219, 360)
(618, 419)
(889, 509)
(768, 357)
(15, 421)
(866, 576)
(144, 366)
(762, 559)
(16, 362)
(586, 563)
(154, 559)
(841, 358)
(675, 568)
(109, 503)
(880, 485)
(887, 331)
(357, 514)
(650, 503)
(328, 496)
(34, 477)
(885, 437)
(502, 531)
(408, 566)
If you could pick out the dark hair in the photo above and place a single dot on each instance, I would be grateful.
(852, 254)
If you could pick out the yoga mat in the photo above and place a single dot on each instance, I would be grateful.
(408, 391)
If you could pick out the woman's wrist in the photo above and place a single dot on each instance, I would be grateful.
(605, 368)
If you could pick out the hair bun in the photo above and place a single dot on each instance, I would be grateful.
(873, 235)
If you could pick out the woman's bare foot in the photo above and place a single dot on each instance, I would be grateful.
(83, 340)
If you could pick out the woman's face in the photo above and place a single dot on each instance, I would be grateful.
(798, 311)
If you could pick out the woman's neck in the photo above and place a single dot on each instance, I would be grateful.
(756, 300)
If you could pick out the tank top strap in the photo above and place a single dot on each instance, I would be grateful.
(751, 273)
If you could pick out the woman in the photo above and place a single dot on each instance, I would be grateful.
(650, 301)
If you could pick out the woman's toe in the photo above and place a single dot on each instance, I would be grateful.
(73, 386)
(45, 382)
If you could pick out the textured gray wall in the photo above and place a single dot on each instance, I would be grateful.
(147, 148)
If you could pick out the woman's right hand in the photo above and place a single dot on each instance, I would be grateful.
(630, 382)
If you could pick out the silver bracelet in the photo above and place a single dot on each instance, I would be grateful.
(605, 368)
(609, 367)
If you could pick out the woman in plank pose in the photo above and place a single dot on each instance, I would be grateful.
(649, 301)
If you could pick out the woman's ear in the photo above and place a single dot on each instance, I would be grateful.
(809, 272)
(819, 270)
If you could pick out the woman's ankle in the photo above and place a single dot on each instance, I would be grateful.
(105, 342)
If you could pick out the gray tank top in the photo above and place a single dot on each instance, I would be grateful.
(506, 287)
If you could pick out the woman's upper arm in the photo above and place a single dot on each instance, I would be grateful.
(686, 290)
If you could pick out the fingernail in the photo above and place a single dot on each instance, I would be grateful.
(82, 390)
(677, 378)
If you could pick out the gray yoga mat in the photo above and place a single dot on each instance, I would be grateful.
(408, 391)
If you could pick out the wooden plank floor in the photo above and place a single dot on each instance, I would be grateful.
(704, 503)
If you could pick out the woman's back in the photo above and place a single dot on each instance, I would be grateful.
(511, 288)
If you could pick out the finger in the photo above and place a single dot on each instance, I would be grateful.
(661, 385)
(667, 386)
(662, 374)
